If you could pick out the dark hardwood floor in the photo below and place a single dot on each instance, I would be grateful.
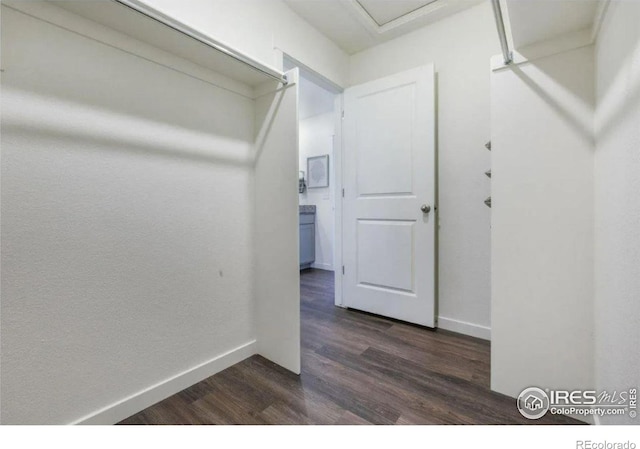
(357, 368)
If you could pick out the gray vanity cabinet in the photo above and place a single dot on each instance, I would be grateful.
(307, 236)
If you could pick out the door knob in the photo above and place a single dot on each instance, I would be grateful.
(425, 209)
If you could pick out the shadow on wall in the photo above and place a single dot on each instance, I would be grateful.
(109, 92)
(266, 118)
(93, 126)
(582, 121)
(99, 96)
(620, 97)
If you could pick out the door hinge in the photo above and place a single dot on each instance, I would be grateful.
(342, 193)
(343, 270)
(343, 113)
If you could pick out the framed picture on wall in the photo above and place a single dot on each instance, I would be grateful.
(318, 171)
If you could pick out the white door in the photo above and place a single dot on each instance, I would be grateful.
(389, 193)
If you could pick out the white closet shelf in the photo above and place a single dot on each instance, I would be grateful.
(146, 24)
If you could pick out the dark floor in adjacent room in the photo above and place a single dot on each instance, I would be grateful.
(356, 369)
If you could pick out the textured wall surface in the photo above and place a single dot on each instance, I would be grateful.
(542, 223)
(127, 201)
(617, 197)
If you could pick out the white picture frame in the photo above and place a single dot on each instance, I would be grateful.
(318, 172)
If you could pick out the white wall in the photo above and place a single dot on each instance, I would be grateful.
(460, 47)
(130, 262)
(257, 27)
(617, 202)
(316, 139)
(542, 223)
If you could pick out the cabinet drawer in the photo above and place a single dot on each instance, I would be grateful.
(307, 218)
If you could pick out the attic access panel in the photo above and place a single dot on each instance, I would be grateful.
(385, 11)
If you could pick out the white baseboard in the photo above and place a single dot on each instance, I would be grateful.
(139, 401)
(322, 266)
(462, 327)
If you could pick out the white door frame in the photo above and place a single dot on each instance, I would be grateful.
(337, 213)
(324, 82)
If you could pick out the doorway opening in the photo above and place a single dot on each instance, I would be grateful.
(319, 185)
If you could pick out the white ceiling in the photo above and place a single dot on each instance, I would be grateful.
(355, 25)
(538, 20)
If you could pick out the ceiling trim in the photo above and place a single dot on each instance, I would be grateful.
(351, 27)
(373, 27)
(428, 2)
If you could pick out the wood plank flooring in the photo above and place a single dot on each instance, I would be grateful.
(357, 368)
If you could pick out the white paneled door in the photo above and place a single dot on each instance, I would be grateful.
(389, 192)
